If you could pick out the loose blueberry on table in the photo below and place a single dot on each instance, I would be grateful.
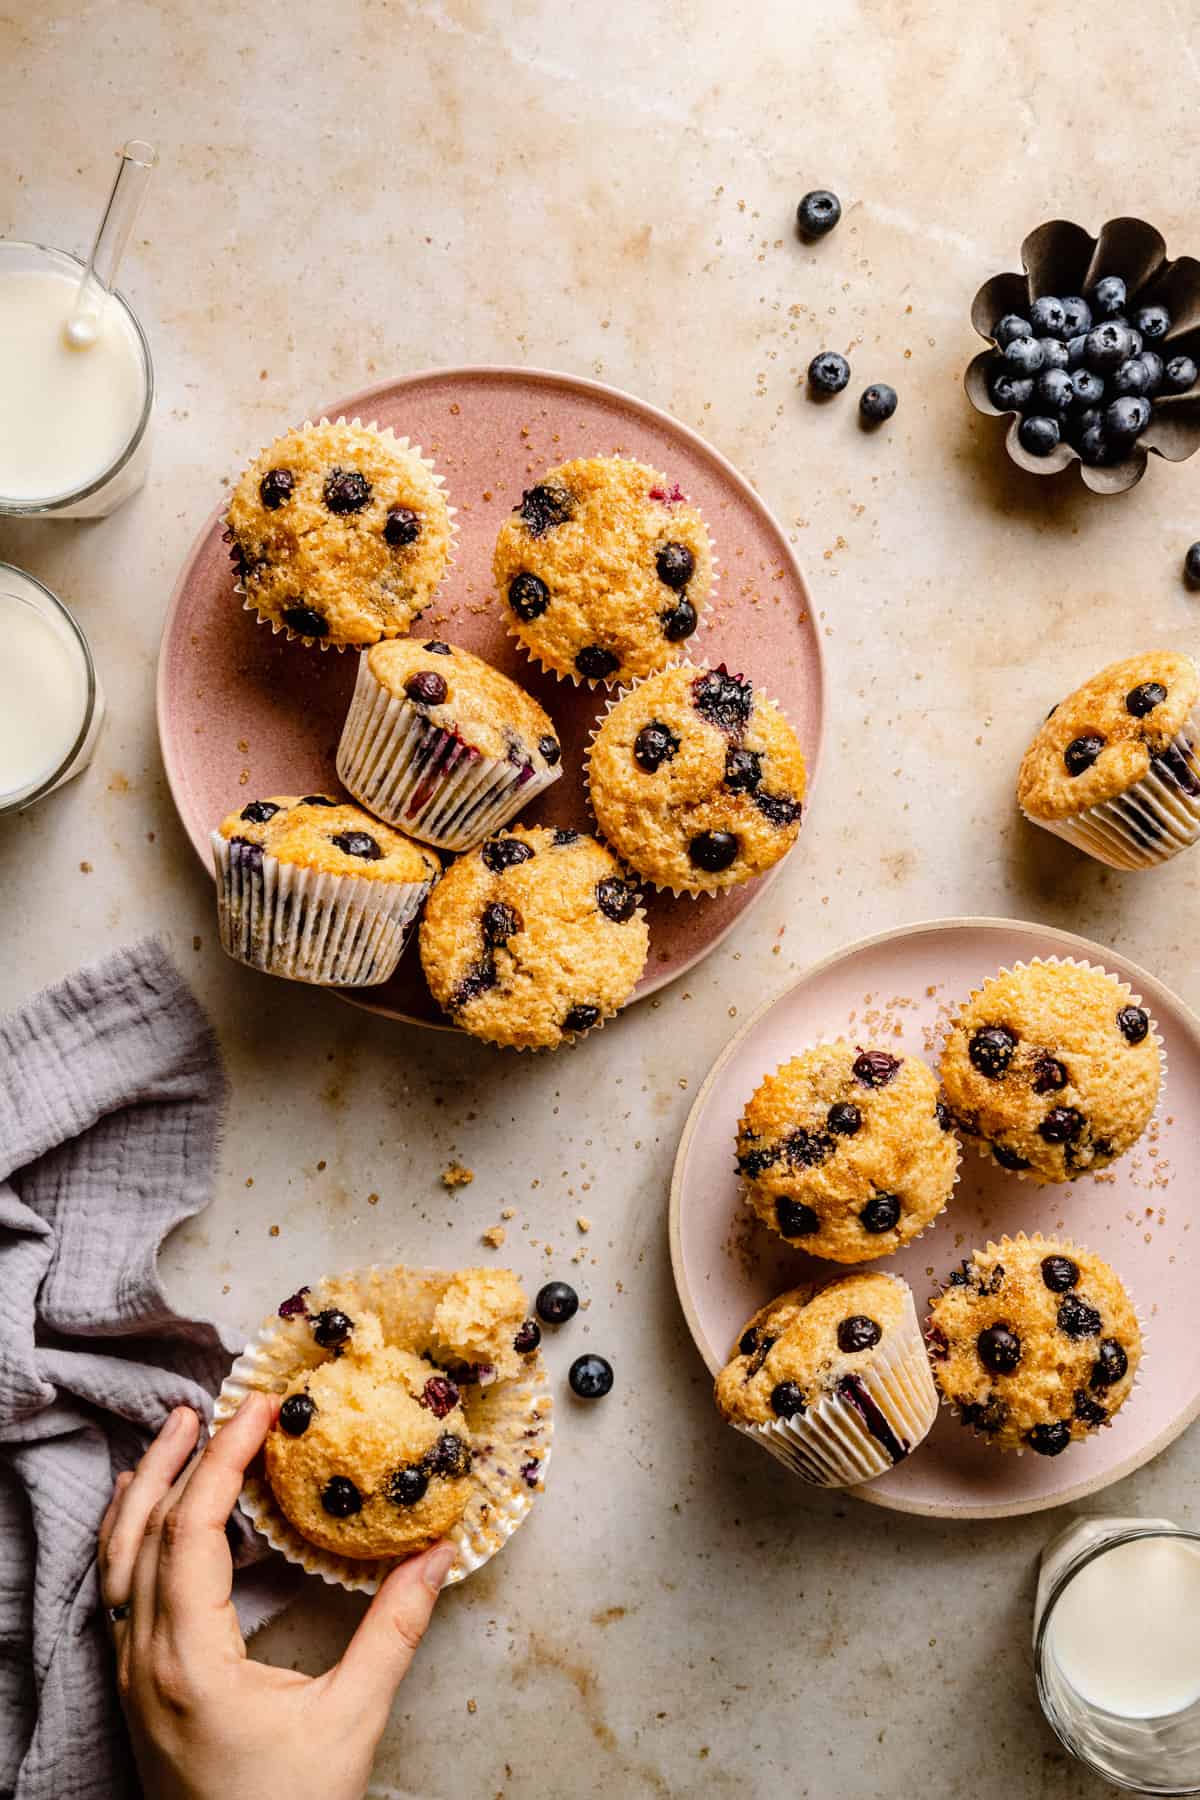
(878, 403)
(818, 213)
(556, 1303)
(828, 373)
(1191, 564)
(591, 1377)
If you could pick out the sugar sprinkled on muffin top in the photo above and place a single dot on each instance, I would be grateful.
(317, 832)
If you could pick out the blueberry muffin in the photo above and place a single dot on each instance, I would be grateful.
(315, 890)
(833, 1380)
(848, 1152)
(1054, 1067)
(482, 1325)
(443, 745)
(339, 534)
(534, 938)
(696, 780)
(603, 570)
(1035, 1343)
(1115, 768)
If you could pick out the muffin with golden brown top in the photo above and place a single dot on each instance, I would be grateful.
(848, 1152)
(834, 1380)
(1115, 768)
(443, 745)
(1035, 1342)
(1054, 1067)
(603, 570)
(534, 938)
(340, 534)
(697, 780)
(316, 890)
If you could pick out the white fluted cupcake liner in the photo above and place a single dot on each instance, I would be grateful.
(511, 1426)
(860, 1433)
(308, 925)
(405, 444)
(1072, 1248)
(424, 780)
(690, 893)
(983, 1146)
(1151, 821)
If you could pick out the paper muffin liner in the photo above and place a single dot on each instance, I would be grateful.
(511, 1425)
(308, 925)
(679, 652)
(839, 1442)
(1150, 822)
(424, 780)
(984, 1149)
(661, 887)
(1072, 1248)
(277, 626)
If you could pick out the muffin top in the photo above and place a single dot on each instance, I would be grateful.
(371, 1454)
(464, 695)
(1054, 1066)
(847, 1152)
(339, 533)
(482, 1321)
(797, 1350)
(534, 937)
(1103, 738)
(697, 780)
(604, 569)
(315, 832)
(1035, 1342)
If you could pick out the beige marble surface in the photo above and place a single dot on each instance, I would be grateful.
(354, 190)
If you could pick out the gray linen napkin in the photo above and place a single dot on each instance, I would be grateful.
(111, 1095)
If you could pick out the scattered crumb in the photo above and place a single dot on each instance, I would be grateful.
(584, 1224)
(495, 1236)
(455, 1175)
(274, 1231)
(249, 1181)
(508, 1212)
(372, 1199)
(471, 1706)
(85, 868)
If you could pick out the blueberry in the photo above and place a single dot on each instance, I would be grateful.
(743, 770)
(943, 1115)
(258, 812)
(991, 1050)
(1011, 393)
(675, 566)
(787, 1399)
(752, 1163)
(713, 851)
(844, 1118)
(1126, 418)
(402, 527)
(1077, 1318)
(543, 507)
(481, 977)
(1059, 1273)
(1089, 1412)
(1077, 316)
(250, 855)
(528, 596)
(725, 700)
(818, 212)
(318, 800)
(426, 687)
(1087, 390)
(1049, 1440)
(295, 1304)
(305, 621)
(357, 843)
(407, 1486)
(346, 491)
(1111, 1364)
(1055, 355)
(1024, 356)
(1082, 752)
(1055, 391)
(794, 1218)
(557, 1302)
(1049, 1075)
(1093, 445)
(500, 853)
(550, 750)
(880, 1214)
(296, 1413)
(778, 809)
(1108, 297)
(1153, 322)
(875, 1068)
(616, 899)
(1191, 564)
(1062, 1125)
(828, 373)
(1048, 316)
(332, 1328)
(1107, 347)
(1152, 362)
(581, 1018)
(998, 1349)
(808, 1149)
(679, 622)
(440, 1395)
(1135, 339)
(1175, 766)
(1076, 351)
(565, 835)
(591, 1377)
(1179, 374)
(987, 1416)
(654, 745)
(529, 1336)
(450, 1457)
(1011, 326)
(276, 486)
(877, 403)
(1038, 434)
(748, 1342)
(1139, 700)
(340, 1498)
(857, 1333)
(499, 923)
(595, 662)
(1134, 1022)
(1132, 378)
(1010, 1159)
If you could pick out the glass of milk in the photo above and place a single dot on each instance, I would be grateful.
(1117, 1650)
(51, 704)
(74, 423)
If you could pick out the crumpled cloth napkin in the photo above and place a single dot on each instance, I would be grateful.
(111, 1097)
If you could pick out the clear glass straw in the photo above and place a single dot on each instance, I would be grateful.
(137, 160)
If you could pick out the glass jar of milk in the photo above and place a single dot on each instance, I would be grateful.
(1117, 1650)
(51, 704)
(74, 425)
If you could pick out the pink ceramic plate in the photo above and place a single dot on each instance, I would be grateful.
(241, 712)
(1138, 1216)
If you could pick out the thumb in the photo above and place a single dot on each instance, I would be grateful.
(378, 1656)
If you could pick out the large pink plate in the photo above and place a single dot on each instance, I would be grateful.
(1138, 1216)
(241, 712)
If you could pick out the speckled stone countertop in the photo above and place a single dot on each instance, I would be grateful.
(354, 191)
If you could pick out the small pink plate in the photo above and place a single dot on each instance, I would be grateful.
(243, 713)
(899, 988)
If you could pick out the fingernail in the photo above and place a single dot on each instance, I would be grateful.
(438, 1563)
(181, 1416)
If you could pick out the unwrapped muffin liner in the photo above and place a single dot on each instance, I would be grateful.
(983, 1146)
(309, 925)
(1070, 1248)
(424, 780)
(400, 443)
(832, 1444)
(511, 1428)
(1151, 821)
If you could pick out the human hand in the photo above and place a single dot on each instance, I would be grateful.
(206, 1722)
